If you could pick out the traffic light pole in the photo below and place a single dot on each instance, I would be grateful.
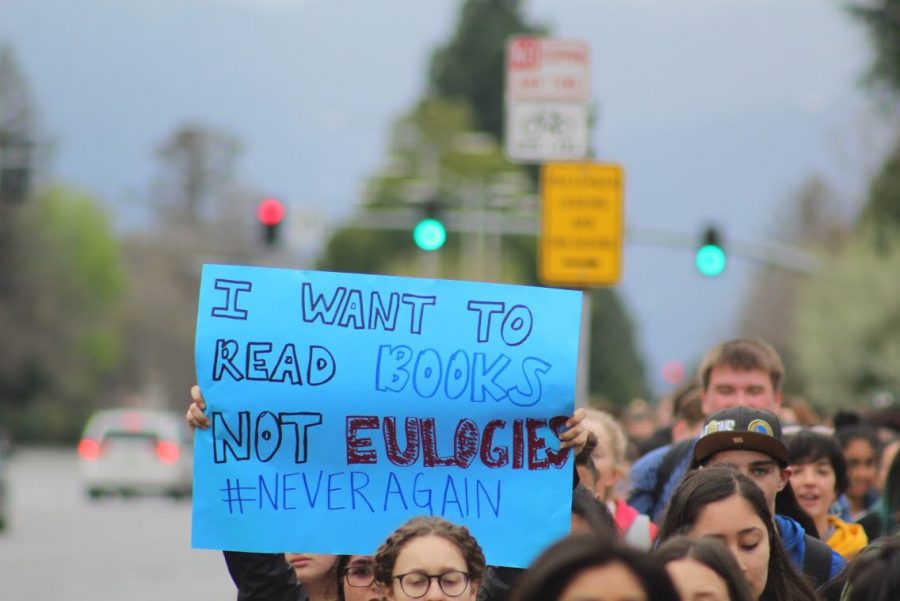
(478, 223)
(765, 252)
(431, 264)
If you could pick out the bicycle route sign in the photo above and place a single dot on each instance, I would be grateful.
(547, 95)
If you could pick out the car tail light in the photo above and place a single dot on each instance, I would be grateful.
(89, 449)
(167, 451)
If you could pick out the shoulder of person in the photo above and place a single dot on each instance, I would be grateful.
(498, 582)
(651, 460)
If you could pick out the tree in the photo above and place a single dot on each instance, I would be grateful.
(616, 369)
(812, 222)
(847, 331)
(17, 132)
(198, 163)
(882, 18)
(428, 159)
(201, 211)
(428, 151)
(472, 65)
(18, 122)
(158, 319)
(62, 316)
(881, 212)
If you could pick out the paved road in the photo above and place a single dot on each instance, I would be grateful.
(61, 546)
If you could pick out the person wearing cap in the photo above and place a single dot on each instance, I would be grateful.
(751, 441)
(740, 372)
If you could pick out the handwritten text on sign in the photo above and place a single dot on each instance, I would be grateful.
(341, 405)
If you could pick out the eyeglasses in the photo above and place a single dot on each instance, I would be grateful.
(361, 575)
(416, 584)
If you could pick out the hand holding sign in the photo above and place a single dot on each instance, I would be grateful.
(340, 405)
(196, 413)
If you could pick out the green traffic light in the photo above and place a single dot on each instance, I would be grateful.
(710, 260)
(430, 234)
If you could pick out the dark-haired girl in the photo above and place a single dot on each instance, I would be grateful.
(722, 503)
(584, 567)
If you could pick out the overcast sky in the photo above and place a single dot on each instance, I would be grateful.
(718, 110)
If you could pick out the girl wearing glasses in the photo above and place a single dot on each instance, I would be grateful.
(356, 579)
(431, 559)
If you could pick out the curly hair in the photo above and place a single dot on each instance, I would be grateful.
(387, 553)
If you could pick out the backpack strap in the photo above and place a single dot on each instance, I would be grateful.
(817, 560)
(667, 466)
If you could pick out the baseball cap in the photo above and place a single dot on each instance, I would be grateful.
(741, 428)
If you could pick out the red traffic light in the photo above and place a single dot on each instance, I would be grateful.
(270, 211)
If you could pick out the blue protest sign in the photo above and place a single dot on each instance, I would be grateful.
(344, 404)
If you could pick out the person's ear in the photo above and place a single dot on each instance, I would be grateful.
(778, 398)
(618, 472)
(679, 429)
(785, 477)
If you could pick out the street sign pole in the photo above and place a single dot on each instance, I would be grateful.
(583, 373)
(547, 116)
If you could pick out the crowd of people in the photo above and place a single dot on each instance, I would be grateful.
(741, 494)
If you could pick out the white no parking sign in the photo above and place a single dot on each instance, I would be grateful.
(547, 95)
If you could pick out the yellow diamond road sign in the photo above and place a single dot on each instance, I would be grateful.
(581, 224)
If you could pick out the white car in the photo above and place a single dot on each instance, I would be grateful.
(136, 452)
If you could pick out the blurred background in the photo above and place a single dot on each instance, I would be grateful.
(138, 139)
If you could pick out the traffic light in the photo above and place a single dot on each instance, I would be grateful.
(270, 213)
(711, 258)
(430, 233)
